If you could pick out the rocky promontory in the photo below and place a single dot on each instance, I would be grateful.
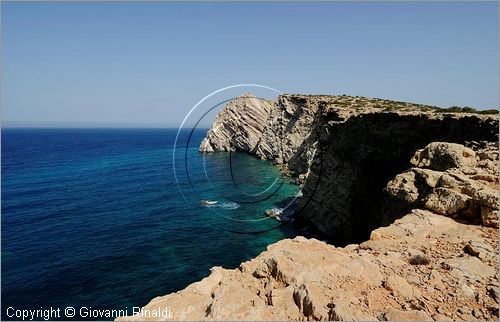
(409, 191)
(342, 149)
(239, 127)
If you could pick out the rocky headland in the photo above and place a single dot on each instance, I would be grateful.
(342, 149)
(409, 190)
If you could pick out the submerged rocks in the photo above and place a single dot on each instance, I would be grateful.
(274, 213)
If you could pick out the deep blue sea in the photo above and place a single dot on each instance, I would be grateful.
(97, 218)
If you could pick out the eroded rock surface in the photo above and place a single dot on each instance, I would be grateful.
(239, 126)
(303, 279)
(451, 180)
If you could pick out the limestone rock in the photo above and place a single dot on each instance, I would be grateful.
(412, 315)
(403, 187)
(398, 285)
(460, 191)
(445, 201)
(345, 149)
(443, 155)
(306, 279)
(239, 126)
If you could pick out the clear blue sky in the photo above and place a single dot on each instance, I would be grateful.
(145, 64)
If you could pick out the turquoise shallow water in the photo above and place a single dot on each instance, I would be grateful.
(94, 217)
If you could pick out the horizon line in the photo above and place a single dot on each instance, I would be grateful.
(99, 127)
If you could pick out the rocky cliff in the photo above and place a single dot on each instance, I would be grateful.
(438, 262)
(430, 178)
(342, 149)
(239, 127)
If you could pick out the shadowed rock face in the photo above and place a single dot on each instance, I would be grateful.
(359, 156)
(343, 150)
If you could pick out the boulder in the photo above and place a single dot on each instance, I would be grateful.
(460, 190)
(441, 156)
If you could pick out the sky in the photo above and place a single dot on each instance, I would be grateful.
(147, 64)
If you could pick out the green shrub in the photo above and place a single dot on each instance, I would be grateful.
(465, 109)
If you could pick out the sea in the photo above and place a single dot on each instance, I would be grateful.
(111, 218)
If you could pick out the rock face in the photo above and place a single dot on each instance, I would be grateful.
(437, 262)
(239, 126)
(345, 149)
(430, 178)
(451, 180)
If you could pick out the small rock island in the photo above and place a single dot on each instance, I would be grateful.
(407, 195)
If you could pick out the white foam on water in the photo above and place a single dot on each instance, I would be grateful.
(225, 205)
(230, 205)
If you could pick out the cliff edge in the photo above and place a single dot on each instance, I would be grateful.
(429, 179)
(343, 150)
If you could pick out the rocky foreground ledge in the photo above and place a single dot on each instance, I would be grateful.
(419, 268)
(438, 262)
